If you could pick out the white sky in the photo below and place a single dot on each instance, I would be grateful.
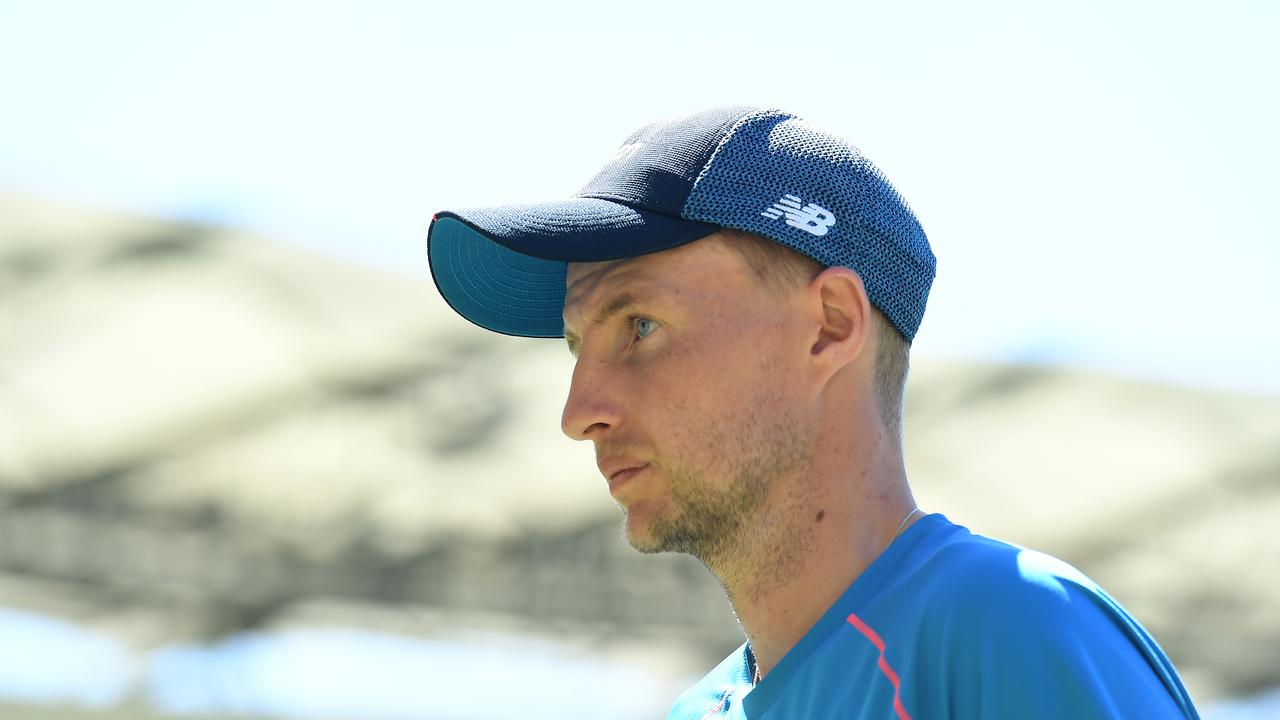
(1097, 179)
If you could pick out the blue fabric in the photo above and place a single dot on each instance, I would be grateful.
(677, 180)
(971, 628)
(654, 169)
(771, 156)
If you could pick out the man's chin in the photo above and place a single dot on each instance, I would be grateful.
(651, 534)
(639, 535)
(645, 528)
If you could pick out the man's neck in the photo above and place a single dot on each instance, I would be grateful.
(809, 545)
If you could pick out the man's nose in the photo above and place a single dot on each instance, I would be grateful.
(592, 406)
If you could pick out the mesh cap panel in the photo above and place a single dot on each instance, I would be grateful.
(655, 167)
(773, 168)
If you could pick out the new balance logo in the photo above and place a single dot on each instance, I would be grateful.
(810, 218)
(625, 152)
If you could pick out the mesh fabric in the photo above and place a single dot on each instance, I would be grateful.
(654, 169)
(770, 155)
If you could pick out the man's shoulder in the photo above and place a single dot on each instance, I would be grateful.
(997, 621)
(973, 578)
(969, 592)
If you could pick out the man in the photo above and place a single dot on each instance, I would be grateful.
(740, 290)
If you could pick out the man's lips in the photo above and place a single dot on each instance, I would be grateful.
(620, 470)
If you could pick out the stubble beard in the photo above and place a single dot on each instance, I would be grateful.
(715, 522)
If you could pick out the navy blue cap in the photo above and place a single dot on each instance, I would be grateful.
(675, 181)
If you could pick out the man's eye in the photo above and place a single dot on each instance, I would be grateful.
(644, 327)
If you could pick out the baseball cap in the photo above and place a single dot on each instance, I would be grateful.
(672, 182)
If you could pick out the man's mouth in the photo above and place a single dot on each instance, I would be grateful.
(618, 471)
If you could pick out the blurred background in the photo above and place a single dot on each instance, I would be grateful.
(252, 467)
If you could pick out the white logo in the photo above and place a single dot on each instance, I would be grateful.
(810, 218)
(626, 151)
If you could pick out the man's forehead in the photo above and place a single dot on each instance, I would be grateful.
(589, 284)
(673, 260)
(582, 274)
(584, 278)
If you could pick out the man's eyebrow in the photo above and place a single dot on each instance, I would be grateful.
(619, 303)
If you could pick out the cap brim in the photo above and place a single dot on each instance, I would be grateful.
(503, 268)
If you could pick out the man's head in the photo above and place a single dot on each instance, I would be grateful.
(793, 278)
(705, 376)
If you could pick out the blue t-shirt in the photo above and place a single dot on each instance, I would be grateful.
(949, 624)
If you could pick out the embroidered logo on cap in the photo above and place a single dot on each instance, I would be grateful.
(626, 151)
(811, 218)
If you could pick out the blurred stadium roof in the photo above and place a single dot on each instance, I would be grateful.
(205, 432)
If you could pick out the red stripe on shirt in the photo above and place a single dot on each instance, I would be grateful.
(724, 700)
(885, 667)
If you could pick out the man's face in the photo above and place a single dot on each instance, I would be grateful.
(689, 381)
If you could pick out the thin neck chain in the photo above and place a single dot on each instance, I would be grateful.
(755, 680)
(903, 524)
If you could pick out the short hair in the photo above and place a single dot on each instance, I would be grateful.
(782, 268)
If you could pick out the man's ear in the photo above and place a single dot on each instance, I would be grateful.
(840, 303)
